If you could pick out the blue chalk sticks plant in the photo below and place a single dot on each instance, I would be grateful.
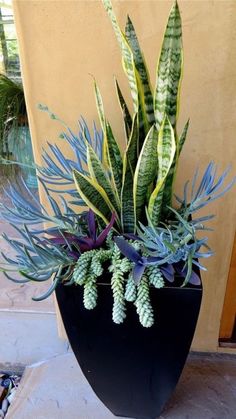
(133, 230)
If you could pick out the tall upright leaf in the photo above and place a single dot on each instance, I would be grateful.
(166, 152)
(125, 111)
(94, 196)
(128, 60)
(145, 171)
(169, 71)
(182, 138)
(98, 173)
(102, 119)
(114, 159)
(127, 55)
(144, 80)
(129, 165)
(111, 154)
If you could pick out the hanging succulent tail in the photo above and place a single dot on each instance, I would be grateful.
(130, 289)
(90, 292)
(143, 304)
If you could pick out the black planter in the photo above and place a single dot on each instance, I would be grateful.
(133, 370)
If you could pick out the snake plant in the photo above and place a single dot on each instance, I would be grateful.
(143, 175)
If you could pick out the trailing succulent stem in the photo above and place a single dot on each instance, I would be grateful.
(119, 266)
(130, 289)
(143, 303)
(90, 292)
(155, 276)
(90, 267)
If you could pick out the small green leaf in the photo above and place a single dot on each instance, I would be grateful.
(182, 138)
(189, 270)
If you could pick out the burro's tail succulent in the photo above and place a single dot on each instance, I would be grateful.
(143, 176)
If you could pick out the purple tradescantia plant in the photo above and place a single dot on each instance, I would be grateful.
(85, 243)
(168, 270)
(141, 262)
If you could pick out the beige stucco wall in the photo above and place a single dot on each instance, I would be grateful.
(63, 42)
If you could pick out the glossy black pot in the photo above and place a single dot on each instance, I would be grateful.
(133, 370)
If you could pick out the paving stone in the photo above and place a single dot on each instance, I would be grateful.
(57, 389)
(207, 389)
(29, 337)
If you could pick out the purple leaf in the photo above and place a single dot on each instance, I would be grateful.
(92, 224)
(168, 272)
(194, 278)
(85, 243)
(103, 235)
(138, 271)
(128, 250)
(179, 268)
(74, 255)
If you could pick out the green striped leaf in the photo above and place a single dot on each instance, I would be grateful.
(169, 71)
(130, 161)
(102, 119)
(114, 159)
(144, 88)
(145, 172)
(100, 107)
(182, 138)
(131, 153)
(125, 111)
(111, 152)
(166, 152)
(98, 174)
(127, 55)
(168, 191)
(93, 195)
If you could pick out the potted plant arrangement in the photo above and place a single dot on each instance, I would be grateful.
(126, 269)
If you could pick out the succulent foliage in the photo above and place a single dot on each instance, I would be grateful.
(132, 229)
(144, 175)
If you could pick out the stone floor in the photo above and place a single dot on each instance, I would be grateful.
(56, 389)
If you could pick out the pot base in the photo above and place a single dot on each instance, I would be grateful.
(132, 369)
